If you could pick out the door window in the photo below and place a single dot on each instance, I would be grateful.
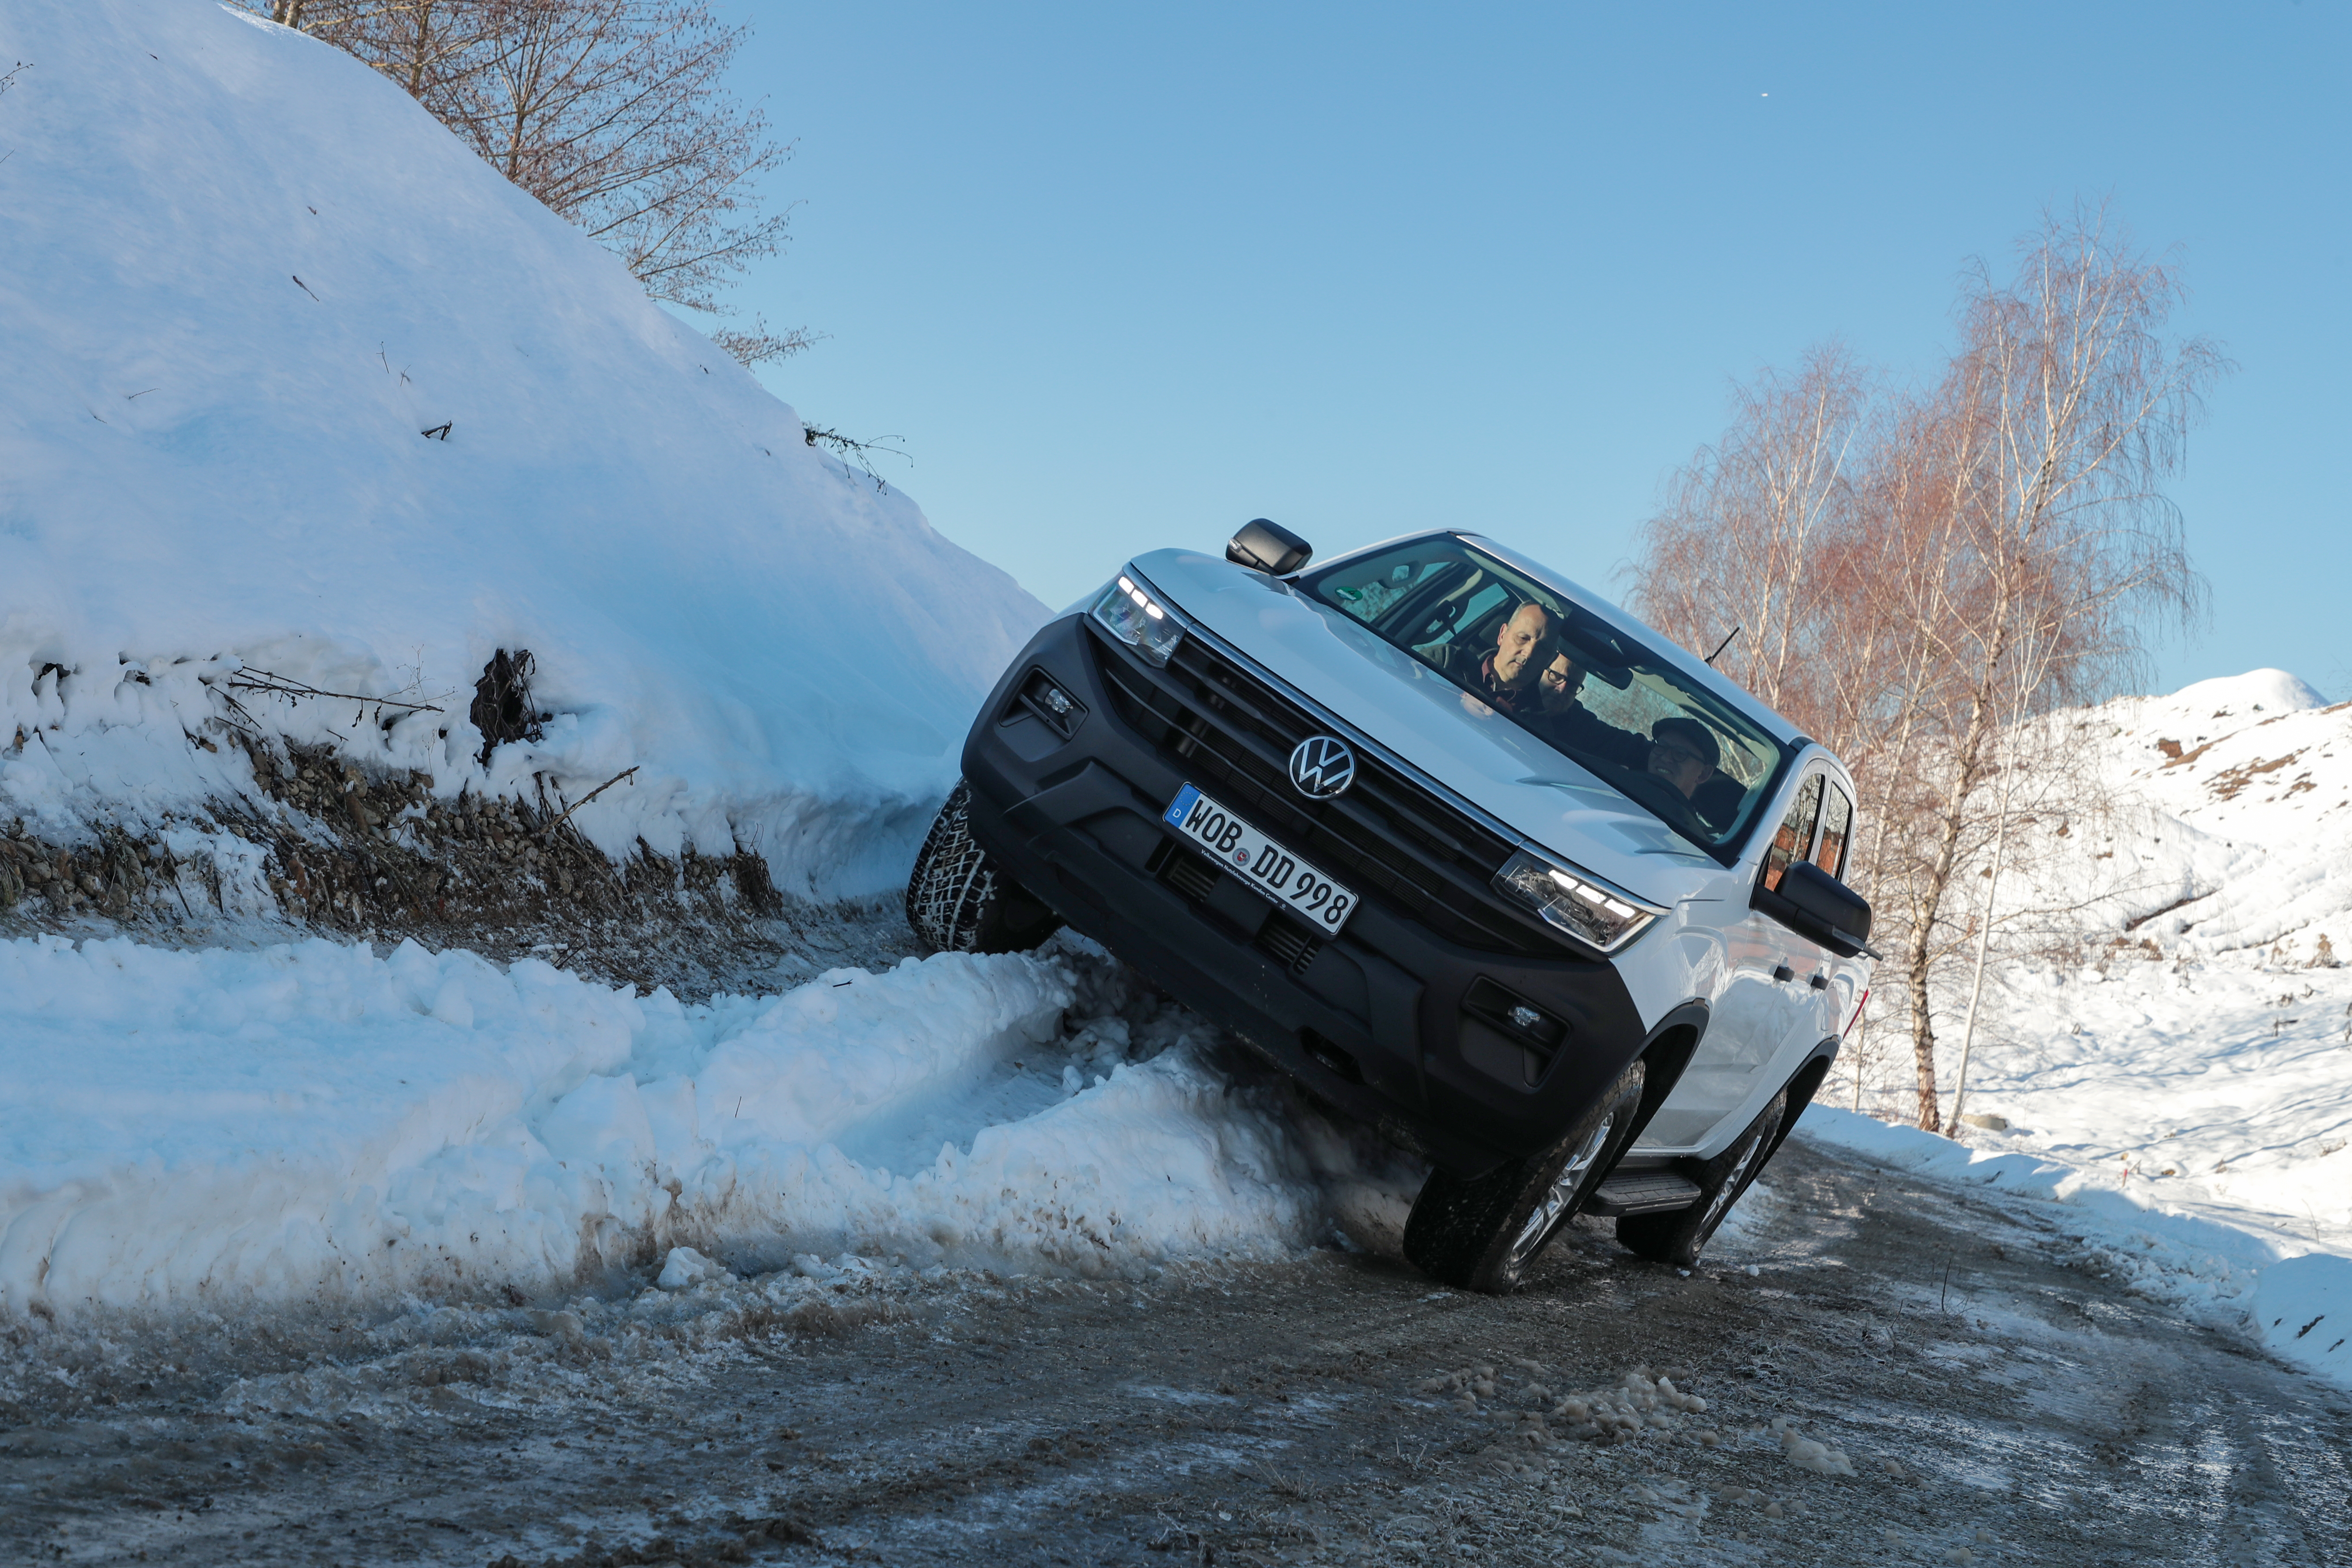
(1794, 837)
(1837, 827)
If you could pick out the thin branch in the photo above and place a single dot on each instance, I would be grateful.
(585, 799)
(286, 686)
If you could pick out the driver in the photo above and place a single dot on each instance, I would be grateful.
(1504, 676)
(1682, 753)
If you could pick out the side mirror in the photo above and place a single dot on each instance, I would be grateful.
(1264, 546)
(1818, 906)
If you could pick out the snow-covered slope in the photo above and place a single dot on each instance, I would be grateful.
(2232, 827)
(239, 275)
(2186, 1082)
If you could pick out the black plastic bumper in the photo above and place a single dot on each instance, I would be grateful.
(1375, 1023)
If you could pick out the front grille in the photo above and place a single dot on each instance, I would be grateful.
(1233, 734)
(1189, 875)
(1288, 943)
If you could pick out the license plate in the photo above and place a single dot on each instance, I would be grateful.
(1264, 865)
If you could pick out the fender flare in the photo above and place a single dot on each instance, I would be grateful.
(1803, 1084)
(1666, 1050)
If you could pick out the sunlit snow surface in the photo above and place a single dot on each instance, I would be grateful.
(225, 343)
(2184, 1084)
(314, 1122)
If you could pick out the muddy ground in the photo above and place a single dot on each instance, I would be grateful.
(1994, 1398)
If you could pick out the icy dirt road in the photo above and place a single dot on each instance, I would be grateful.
(1992, 1404)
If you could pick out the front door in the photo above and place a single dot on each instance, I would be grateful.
(1762, 1006)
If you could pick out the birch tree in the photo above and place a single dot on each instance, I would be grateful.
(1744, 542)
(2074, 408)
(1926, 571)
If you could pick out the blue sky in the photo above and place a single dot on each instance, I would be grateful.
(1124, 276)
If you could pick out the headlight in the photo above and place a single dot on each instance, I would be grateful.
(1574, 902)
(1130, 611)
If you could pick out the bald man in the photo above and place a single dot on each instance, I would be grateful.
(1503, 676)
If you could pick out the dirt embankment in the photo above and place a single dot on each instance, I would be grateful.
(331, 849)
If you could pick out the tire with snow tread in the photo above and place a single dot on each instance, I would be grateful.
(1680, 1236)
(1483, 1232)
(957, 901)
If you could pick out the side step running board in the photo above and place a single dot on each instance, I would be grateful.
(1642, 1192)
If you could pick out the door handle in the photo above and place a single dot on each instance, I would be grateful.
(1783, 972)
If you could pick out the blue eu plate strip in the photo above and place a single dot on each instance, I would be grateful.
(1174, 816)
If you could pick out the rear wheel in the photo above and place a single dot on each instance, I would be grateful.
(958, 902)
(1482, 1234)
(1678, 1238)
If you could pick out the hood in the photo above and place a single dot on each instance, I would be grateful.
(1418, 714)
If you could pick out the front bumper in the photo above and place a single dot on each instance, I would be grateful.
(1389, 1021)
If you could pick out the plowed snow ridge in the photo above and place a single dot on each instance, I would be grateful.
(312, 1123)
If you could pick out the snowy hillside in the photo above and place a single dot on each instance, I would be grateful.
(241, 278)
(2236, 823)
(2186, 1083)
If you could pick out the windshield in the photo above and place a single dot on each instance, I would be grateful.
(1522, 654)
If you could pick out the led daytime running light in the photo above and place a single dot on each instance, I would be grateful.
(1584, 909)
(1129, 612)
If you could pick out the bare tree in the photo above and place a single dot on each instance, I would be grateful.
(425, 45)
(613, 112)
(1743, 548)
(2076, 408)
(1926, 573)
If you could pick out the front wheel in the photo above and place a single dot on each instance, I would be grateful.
(1482, 1234)
(958, 902)
(1679, 1238)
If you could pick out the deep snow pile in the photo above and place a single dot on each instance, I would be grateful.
(2188, 1091)
(312, 1123)
(240, 276)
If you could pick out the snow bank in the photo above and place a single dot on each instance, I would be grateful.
(312, 1123)
(2303, 1308)
(240, 275)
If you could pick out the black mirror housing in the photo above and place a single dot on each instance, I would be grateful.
(1819, 907)
(1264, 546)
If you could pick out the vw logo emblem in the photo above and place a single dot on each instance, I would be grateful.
(1321, 768)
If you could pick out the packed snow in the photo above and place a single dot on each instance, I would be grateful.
(241, 278)
(311, 1124)
(2184, 1083)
